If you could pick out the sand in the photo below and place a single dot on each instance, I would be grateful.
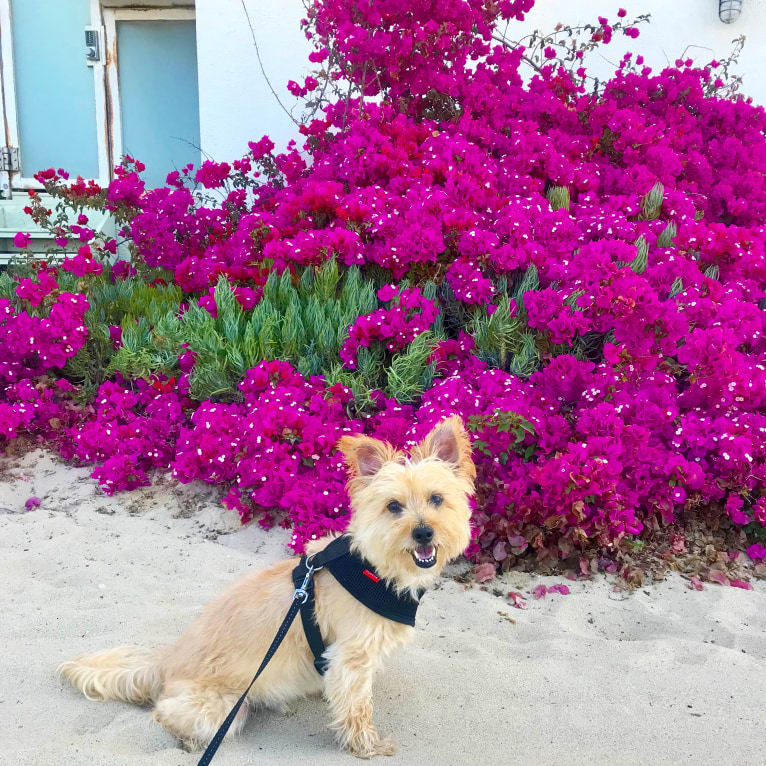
(664, 675)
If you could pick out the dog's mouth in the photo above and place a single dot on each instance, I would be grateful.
(424, 556)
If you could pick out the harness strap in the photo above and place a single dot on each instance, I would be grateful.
(332, 551)
(308, 618)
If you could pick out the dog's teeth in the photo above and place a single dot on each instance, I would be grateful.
(425, 556)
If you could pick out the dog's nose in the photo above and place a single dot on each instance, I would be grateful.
(423, 534)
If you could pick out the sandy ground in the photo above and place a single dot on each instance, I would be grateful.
(662, 676)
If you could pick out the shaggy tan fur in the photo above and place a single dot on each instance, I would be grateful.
(195, 683)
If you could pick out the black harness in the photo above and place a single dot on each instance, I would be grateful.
(359, 578)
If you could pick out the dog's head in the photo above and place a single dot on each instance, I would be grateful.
(411, 513)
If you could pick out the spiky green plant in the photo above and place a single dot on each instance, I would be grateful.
(410, 373)
(667, 235)
(676, 288)
(558, 196)
(529, 282)
(651, 203)
(713, 272)
(639, 263)
(504, 340)
(304, 324)
(496, 335)
(7, 286)
(134, 306)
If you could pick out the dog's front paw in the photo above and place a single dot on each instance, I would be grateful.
(371, 745)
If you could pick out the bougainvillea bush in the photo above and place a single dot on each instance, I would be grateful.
(470, 226)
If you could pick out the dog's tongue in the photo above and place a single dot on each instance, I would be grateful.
(424, 552)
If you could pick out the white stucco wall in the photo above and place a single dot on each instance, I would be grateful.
(236, 104)
(676, 25)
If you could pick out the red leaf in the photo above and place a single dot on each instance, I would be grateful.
(560, 588)
(741, 584)
(484, 572)
(695, 583)
(716, 575)
(518, 544)
(677, 543)
(517, 599)
(540, 591)
(499, 552)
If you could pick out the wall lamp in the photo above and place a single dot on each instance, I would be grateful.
(729, 10)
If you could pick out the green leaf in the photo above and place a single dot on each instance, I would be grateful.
(639, 263)
(676, 288)
(410, 373)
(667, 236)
(558, 196)
(651, 204)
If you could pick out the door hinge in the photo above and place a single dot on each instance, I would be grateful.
(9, 159)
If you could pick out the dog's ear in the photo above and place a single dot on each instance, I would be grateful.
(449, 442)
(365, 456)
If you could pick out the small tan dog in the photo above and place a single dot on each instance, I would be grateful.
(397, 503)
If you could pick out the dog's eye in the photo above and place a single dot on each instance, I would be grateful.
(436, 500)
(395, 506)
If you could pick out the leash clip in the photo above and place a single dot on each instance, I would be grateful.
(300, 593)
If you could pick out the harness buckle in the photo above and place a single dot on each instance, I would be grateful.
(300, 593)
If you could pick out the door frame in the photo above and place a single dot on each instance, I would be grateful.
(8, 113)
(111, 17)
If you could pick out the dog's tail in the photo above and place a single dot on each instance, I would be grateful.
(126, 673)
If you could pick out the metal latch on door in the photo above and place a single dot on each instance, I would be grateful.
(93, 37)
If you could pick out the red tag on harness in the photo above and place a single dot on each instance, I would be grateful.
(371, 575)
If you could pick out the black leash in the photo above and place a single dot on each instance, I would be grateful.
(300, 596)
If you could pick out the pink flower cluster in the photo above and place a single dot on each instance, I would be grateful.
(132, 431)
(277, 450)
(409, 314)
(35, 344)
(42, 410)
(610, 451)
(441, 164)
(468, 283)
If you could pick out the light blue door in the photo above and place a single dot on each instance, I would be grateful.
(159, 103)
(55, 93)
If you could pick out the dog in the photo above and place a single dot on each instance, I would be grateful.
(410, 514)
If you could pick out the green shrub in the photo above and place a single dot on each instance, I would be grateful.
(304, 324)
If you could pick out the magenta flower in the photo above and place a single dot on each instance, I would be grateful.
(625, 228)
(212, 175)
